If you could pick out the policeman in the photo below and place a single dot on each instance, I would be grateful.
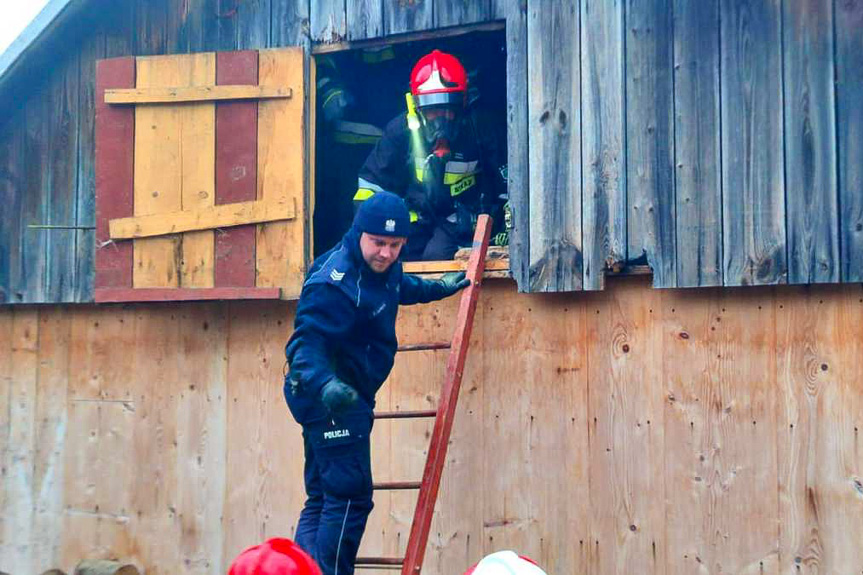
(340, 353)
(443, 157)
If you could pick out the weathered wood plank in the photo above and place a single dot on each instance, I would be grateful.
(461, 12)
(174, 168)
(650, 192)
(32, 262)
(365, 19)
(290, 23)
(698, 172)
(603, 138)
(150, 35)
(753, 204)
(849, 114)
(281, 246)
(114, 185)
(207, 218)
(193, 94)
(720, 429)
(819, 416)
(61, 173)
(50, 423)
(19, 538)
(555, 150)
(257, 505)
(253, 24)
(198, 172)
(626, 429)
(157, 174)
(328, 21)
(199, 31)
(518, 161)
(236, 168)
(407, 16)
(92, 49)
(202, 435)
(113, 295)
(539, 403)
(7, 374)
(810, 143)
(153, 496)
(12, 183)
(97, 371)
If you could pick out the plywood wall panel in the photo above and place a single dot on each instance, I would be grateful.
(633, 430)
(627, 432)
(821, 502)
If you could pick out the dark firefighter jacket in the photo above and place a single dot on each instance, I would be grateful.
(345, 321)
(473, 177)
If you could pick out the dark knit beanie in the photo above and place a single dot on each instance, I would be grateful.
(383, 214)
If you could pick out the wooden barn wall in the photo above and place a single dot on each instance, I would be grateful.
(635, 431)
(718, 140)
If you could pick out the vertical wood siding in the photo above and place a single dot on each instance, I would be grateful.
(603, 157)
(554, 116)
(710, 136)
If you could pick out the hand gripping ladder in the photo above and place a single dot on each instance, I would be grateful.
(411, 564)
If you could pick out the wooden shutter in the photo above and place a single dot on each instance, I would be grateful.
(200, 163)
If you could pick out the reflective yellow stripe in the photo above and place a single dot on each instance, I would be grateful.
(363, 194)
(414, 216)
(462, 185)
(330, 96)
(458, 183)
(356, 139)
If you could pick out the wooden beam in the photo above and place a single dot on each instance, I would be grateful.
(404, 38)
(222, 216)
(195, 94)
(116, 295)
(450, 266)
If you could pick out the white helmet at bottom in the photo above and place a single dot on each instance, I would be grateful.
(505, 563)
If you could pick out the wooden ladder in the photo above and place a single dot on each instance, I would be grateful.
(411, 564)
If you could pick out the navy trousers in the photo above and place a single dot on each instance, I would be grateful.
(338, 481)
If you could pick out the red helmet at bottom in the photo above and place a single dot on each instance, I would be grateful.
(274, 557)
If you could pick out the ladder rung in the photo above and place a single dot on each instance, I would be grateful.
(379, 562)
(405, 414)
(397, 485)
(425, 346)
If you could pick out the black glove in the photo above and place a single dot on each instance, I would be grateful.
(337, 396)
(453, 282)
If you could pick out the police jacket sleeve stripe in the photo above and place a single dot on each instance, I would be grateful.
(325, 315)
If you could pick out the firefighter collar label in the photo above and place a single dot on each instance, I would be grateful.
(339, 433)
(336, 275)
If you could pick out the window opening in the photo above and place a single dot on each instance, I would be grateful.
(362, 91)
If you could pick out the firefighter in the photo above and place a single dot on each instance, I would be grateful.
(340, 353)
(444, 157)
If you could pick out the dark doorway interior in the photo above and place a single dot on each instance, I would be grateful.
(375, 80)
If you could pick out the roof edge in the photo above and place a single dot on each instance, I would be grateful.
(19, 47)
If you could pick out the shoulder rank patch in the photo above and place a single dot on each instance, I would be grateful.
(337, 276)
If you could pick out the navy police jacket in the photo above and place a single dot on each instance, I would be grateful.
(346, 319)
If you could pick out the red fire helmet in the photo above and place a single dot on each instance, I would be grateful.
(437, 79)
(274, 557)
